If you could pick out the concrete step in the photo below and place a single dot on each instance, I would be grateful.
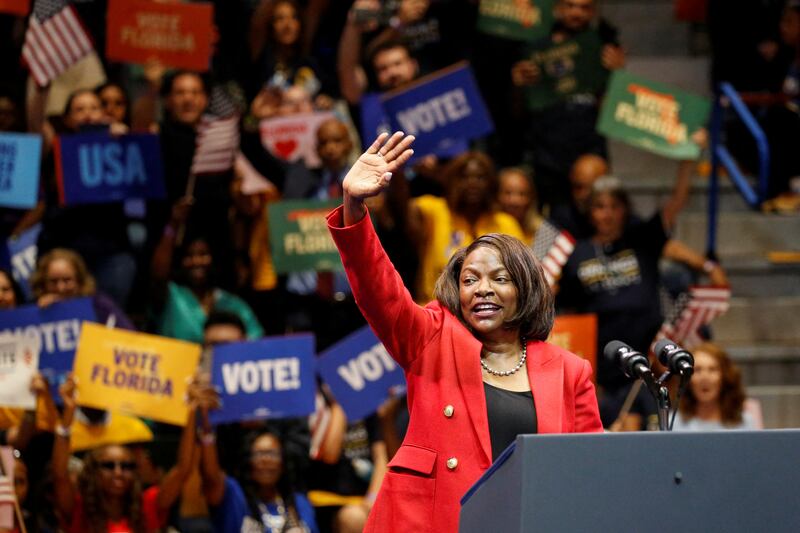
(647, 28)
(742, 234)
(755, 321)
(758, 277)
(771, 374)
(780, 405)
(688, 73)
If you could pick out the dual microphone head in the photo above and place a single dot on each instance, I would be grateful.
(635, 365)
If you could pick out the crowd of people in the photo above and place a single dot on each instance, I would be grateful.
(197, 266)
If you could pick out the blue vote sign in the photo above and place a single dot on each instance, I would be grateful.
(445, 105)
(53, 331)
(268, 378)
(20, 158)
(22, 251)
(99, 168)
(359, 372)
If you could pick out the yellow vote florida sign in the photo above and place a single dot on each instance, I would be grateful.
(136, 373)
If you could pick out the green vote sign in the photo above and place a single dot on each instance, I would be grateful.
(653, 116)
(518, 20)
(567, 68)
(299, 236)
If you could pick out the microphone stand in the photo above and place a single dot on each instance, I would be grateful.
(660, 393)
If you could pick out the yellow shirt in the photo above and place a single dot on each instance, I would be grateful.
(263, 272)
(446, 232)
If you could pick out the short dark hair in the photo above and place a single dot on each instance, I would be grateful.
(382, 46)
(219, 317)
(169, 81)
(535, 309)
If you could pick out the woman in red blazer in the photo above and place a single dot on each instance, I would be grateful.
(477, 368)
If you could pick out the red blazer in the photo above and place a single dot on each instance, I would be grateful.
(442, 456)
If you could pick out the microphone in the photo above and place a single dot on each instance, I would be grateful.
(632, 363)
(675, 358)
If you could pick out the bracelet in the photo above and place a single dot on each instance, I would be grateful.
(62, 431)
(709, 266)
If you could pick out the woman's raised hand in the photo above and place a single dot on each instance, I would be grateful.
(373, 170)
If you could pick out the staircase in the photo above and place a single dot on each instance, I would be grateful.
(762, 329)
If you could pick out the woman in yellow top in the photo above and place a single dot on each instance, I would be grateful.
(446, 224)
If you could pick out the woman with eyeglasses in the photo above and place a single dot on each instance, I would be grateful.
(262, 496)
(108, 496)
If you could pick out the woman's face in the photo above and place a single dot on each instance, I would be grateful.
(265, 461)
(84, 109)
(285, 24)
(706, 381)
(487, 293)
(61, 278)
(114, 103)
(117, 470)
(7, 298)
(472, 185)
(607, 214)
(514, 194)
(197, 262)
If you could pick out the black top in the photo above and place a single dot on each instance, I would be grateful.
(619, 282)
(510, 414)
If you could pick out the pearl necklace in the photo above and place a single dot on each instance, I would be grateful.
(503, 373)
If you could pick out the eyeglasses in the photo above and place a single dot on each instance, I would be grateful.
(125, 466)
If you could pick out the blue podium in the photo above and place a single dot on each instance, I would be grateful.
(731, 481)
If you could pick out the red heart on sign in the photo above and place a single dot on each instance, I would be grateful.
(286, 148)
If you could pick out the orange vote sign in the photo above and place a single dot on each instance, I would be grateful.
(177, 34)
(15, 7)
(578, 334)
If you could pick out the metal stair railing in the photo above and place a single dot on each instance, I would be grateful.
(728, 98)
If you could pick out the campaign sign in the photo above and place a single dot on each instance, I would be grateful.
(136, 373)
(567, 68)
(299, 236)
(374, 121)
(18, 364)
(100, 168)
(293, 138)
(442, 106)
(519, 20)
(577, 334)
(653, 116)
(15, 7)
(22, 251)
(268, 378)
(53, 331)
(178, 34)
(359, 372)
(20, 155)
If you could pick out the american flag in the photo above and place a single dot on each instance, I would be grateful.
(552, 246)
(7, 495)
(691, 311)
(55, 40)
(217, 136)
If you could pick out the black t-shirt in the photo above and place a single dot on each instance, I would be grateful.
(510, 414)
(351, 475)
(619, 282)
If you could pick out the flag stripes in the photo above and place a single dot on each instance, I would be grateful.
(55, 40)
(698, 308)
(552, 247)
